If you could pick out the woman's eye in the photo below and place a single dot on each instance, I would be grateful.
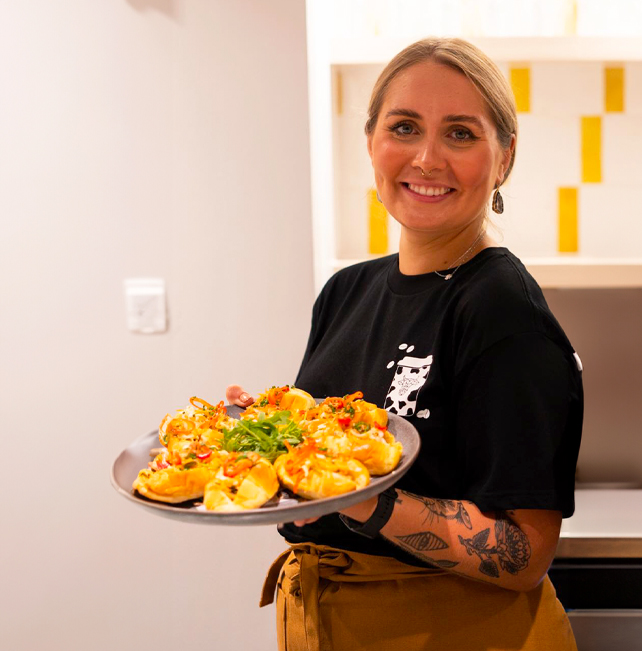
(462, 135)
(403, 129)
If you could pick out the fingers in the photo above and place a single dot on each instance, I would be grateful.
(236, 395)
(302, 523)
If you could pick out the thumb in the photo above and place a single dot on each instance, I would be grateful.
(236, 395)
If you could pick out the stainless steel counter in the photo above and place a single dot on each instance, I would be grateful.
(606, 524)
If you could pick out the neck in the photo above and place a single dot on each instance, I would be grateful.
(420, 253)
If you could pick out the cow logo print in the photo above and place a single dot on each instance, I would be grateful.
(410, 375)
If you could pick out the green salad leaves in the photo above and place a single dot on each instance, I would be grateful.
(266, 436)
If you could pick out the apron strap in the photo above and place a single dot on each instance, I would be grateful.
(272, 578)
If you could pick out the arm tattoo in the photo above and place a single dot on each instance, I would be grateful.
(423, 541)
(449, 509)
(512, 549)
(418, 543)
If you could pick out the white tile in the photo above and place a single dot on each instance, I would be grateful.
(610, 221)
(529, 221)
(352, 148)
(567, 88)
(352, 222)
(622, 150)
(633, 89)
(548, 151)
(358, 82)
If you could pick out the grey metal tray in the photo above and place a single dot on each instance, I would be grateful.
(285, 507)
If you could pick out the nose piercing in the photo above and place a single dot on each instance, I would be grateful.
(423, 173)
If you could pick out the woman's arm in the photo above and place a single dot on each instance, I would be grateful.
(510, 549)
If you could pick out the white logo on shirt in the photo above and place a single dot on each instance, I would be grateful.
(410, 375)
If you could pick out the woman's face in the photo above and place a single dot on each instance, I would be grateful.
(434, 119)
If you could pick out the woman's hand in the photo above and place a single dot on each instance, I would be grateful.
(360, 512)
(236, 395)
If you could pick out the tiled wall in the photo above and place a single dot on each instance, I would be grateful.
(575, 188)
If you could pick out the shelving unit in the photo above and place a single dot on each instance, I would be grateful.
(327, 56)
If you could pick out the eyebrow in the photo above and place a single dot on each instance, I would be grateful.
(404, 112)
(471, 119)
(465, 118)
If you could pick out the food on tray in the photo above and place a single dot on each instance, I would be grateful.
(174, 484)
(285, 398)
(310, 472)
(193, 432)
(244, 481)
(351, 426)
(284, 439)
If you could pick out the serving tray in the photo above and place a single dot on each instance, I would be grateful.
(284, 507)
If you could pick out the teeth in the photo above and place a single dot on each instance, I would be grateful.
(428, 191)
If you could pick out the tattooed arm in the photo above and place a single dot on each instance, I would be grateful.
(510, 549)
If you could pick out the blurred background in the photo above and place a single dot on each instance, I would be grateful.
(216, 146)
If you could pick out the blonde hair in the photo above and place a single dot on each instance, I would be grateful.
(468, 60)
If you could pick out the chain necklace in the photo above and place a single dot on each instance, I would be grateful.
(462, 258)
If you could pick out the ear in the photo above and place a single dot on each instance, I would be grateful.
(507, 155)
(369, 144)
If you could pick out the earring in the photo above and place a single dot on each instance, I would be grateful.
(378, 197)
(498, 202)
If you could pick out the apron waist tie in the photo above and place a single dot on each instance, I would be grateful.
(307, 563)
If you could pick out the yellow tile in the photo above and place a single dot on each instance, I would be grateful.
(520, 81)
(614, 90)
(591, 149)
(377, 225)
(570, 22)
(567, 220)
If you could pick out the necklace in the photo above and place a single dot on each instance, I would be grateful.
(462, 258)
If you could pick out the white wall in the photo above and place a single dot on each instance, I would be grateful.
(160, 138)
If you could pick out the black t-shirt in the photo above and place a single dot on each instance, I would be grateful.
(478, 364)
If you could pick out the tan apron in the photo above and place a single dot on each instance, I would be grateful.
(336, 600)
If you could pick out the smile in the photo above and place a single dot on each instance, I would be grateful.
(428, 190)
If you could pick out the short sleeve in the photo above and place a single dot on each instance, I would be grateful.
(518, 425)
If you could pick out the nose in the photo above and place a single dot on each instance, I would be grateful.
(428, 156)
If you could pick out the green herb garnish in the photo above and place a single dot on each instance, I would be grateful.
(266, 435)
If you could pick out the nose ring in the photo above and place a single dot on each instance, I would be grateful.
(423, 173)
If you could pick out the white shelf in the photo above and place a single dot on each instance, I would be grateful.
(585, 272)
(379, 50)
(572, 272)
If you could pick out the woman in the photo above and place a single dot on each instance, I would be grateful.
(455, 335)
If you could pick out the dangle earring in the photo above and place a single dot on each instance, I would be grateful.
(498, 202)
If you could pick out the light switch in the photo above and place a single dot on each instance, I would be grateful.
(146, 305)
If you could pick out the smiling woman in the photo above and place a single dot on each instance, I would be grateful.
(454, 335)
(441, 131)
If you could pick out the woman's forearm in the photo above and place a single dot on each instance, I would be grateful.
(504, 548)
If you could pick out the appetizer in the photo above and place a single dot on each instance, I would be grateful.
(285, 398)
(351, 426)
(244, 481)
(310, 472)
(174, 484)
